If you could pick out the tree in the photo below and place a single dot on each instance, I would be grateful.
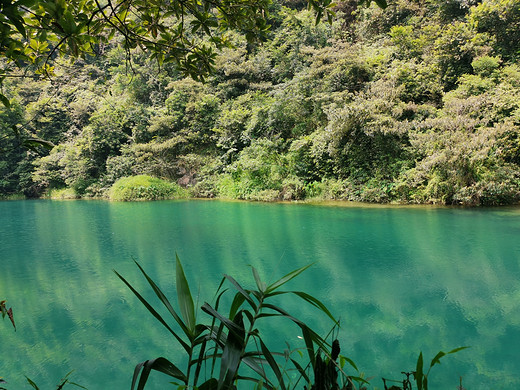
(185, 32)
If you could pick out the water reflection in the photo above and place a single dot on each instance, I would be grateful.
(401, 280)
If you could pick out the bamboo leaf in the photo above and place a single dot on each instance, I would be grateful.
(286, 278)
(184, 297)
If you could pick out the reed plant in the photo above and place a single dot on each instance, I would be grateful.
(228, 349)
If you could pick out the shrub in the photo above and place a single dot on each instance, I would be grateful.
(143, 187)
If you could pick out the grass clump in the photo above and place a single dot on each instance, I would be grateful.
(144, 187)
(63, 193)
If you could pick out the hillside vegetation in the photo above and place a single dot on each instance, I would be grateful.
(417, 103)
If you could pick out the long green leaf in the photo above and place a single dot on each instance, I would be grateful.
(164, 300)
(315, 302)
(437, 358)
(210, 384)
(225, 321)
(231, 355)
(300, 369)
(155, 314)
(313, 335)
(258, 281)
(251, 360)
(286, 278)
(160, 364)
(244, 293)
(343, 359)
(184, 297)
(418, 374)
(236, 304)
(32, 384)
(272, 363)
(5, 101)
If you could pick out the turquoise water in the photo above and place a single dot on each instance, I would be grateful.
(402, 280)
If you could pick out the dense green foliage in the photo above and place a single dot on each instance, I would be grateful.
(417, 103)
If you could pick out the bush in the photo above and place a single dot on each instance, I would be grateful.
(143, 187)
(63, 193)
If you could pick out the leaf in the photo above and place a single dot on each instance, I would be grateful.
(235, 305)
(5, 101)
(437, 358)
(232, 353)
(34, 142)
(258, 281)
(184, 297)
(160, 364)
(300, 370)
(418, 374)
(343, 359)
(32, 384)
(225, 321)
(272, 363)
(210, 384)
(154, 313)
(286, 278)
(164, 301)
(316, 303)
(241, 291)
(10, 315)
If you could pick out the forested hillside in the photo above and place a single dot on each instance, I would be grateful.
(416, 103)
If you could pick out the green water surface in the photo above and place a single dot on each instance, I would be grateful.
(402, 280)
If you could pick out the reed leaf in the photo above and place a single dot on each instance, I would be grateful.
(286, 278)
(259, 283)
(210, 384)
(231, 355)
(160, 364)
(155, 314)
(224, 320)
(243, 292)
(418, 374)
(164, 300)
(272, 363)
(184, 297)
(32, 384)
(315, 302)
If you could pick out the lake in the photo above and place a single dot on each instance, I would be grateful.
(400, 279)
